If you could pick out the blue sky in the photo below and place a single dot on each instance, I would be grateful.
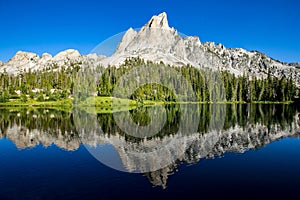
(272, 27)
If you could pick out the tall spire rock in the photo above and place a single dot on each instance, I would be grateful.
(155, 41)
(158, 21)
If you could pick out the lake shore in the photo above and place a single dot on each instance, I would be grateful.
(111, 101)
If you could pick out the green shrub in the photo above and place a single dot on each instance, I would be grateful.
(4, 96)
(23, 98)
(40, 98)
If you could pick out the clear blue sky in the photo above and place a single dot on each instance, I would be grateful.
(269, 26)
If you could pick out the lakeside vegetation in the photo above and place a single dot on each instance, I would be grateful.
(212, 117)
(58, 86)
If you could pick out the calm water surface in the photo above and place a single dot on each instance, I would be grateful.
(236, 151)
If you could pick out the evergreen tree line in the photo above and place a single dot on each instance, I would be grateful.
(208, 85)
(42, 85)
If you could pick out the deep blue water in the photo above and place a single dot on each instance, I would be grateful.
(51, 173)
(39, 172)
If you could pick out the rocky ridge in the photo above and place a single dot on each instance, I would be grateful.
(25, 61)
(156, 41)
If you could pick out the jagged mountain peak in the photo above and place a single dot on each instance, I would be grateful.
(158, 21)
(156, 42)
(153, 39)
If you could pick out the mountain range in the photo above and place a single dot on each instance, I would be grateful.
(157, 41)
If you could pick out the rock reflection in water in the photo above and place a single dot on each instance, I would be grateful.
(222, 128)
(30, 127)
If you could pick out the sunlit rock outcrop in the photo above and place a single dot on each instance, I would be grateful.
(156, 41)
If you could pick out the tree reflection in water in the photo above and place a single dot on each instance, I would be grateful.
(222, 128)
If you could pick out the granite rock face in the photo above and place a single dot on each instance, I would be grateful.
(25, 61)
(156, 41)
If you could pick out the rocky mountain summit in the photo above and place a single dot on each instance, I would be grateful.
(157, 41)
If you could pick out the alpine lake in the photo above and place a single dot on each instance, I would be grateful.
(204, 151)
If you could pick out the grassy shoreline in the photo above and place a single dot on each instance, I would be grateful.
(111, 101)
(109, 104)
(33, 103)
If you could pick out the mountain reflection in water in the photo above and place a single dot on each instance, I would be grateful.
(221, 128)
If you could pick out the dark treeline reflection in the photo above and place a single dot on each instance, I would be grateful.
(38, 118)
(28, 127)
(190, 132)
(210, 117)
(179, 118)
(263, 114)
